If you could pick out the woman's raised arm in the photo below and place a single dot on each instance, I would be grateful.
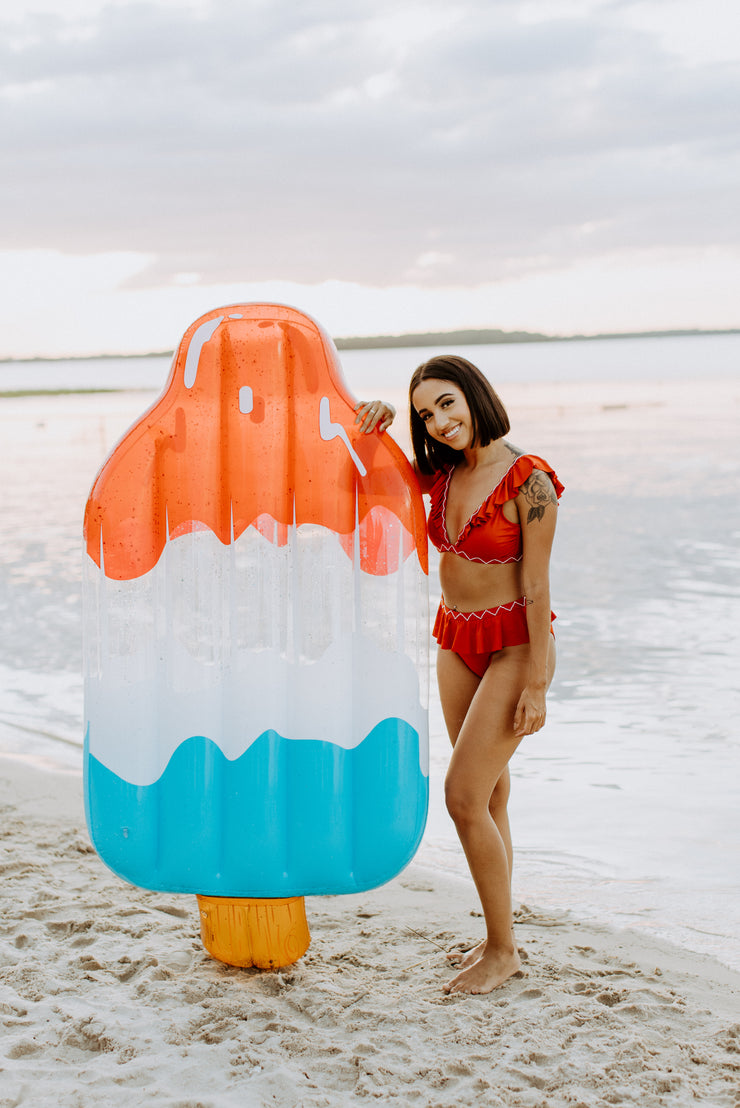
(379, 414)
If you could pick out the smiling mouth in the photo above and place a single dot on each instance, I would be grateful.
(451, 434)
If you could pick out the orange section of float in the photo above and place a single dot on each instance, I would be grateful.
(249, 932)
(240, 376)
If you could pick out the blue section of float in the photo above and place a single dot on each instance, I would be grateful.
(286, 818)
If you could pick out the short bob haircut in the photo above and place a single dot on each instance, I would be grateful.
(488, 414)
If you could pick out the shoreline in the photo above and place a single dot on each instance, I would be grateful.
(105, 988)
(17, 394)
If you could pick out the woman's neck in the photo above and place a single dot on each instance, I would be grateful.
(491, 455)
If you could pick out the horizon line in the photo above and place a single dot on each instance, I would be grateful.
(462, 336)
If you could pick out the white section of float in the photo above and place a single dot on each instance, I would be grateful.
(229, 641)
(134, 730)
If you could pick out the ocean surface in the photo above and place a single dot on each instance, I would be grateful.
(685, 358)
(625, 808)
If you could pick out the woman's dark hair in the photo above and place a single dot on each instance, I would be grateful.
(487, 413)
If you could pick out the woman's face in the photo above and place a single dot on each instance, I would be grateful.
(444, 411)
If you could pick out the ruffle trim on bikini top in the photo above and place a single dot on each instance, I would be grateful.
(508, 488)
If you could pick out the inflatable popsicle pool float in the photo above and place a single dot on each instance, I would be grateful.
(256, 639)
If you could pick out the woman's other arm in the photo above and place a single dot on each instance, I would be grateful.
(537, 505)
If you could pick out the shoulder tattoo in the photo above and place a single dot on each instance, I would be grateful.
(538, 491)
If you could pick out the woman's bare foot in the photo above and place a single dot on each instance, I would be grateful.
(491, 970)
(465, 958)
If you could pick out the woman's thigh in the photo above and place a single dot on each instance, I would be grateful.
(485, 739)
(457, 687)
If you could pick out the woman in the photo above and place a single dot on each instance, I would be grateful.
(492, 517)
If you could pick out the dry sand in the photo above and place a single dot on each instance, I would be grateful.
(108, 998)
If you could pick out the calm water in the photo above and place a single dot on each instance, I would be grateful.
(625, 808)
(619, 360)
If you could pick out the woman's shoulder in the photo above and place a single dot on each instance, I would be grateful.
(521, 470)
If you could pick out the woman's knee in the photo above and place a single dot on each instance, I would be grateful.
(462, 804)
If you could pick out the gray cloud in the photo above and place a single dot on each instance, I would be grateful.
(308, 142)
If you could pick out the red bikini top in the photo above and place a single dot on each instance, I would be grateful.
(488, 536)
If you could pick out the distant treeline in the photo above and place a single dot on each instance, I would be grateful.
(430, 338)
(474, 338)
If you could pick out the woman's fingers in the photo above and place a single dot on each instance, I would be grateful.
(528, 717)
(368, 415)
(374, 413)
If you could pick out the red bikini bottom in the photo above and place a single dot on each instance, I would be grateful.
(476, 636)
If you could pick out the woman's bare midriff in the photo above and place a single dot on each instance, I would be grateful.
(473, 587)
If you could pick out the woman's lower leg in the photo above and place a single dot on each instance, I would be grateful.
(487, 857)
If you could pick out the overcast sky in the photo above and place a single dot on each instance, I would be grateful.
(557, 165)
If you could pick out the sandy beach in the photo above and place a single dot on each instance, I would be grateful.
(108, 997)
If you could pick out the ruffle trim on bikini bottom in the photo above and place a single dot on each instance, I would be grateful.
(482, 632)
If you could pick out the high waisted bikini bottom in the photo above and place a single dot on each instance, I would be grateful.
(476, 636)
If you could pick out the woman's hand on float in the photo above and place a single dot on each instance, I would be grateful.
(372, 414)
(530, 712)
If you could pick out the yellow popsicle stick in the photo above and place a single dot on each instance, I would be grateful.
(247, 931)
